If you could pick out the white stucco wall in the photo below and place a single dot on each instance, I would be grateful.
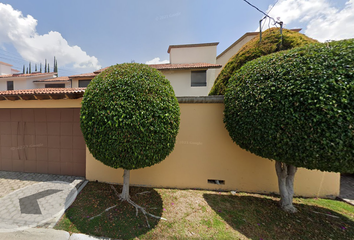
(205, 54)
(224, 58)
(24, 82)
(42, 84)
(19, 83)
(181, 82)
(5, 69)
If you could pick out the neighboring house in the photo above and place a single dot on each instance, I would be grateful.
(229, 52)
(82, 80)
(57, 82)
(5, 69)
(21, 81)
(191, 70)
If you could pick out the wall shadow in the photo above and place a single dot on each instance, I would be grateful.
(261, 218)
(347, 187)
(120, 222)
(37, 177)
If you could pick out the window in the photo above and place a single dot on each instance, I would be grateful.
(198, 78)
(55, 85)
(10, 85)
(84, 83)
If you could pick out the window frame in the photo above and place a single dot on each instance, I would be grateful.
(199, 84)
(8, 84)
(84, 80)
(54, 85)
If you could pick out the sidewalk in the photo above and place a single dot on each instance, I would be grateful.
(46, 234)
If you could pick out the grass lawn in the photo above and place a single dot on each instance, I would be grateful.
(198, 214)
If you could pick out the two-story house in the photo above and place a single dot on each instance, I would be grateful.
(19, 81)
(6, 69)
(12, 79)
(192, 70)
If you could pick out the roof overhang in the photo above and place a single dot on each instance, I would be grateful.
(184, 66)
(254, 34)
(42, 94)
(192, 45)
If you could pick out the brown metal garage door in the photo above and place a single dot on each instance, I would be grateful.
(42, 141)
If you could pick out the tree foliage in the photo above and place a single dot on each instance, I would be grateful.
(130, 116)
(271, 42)
(296, 106)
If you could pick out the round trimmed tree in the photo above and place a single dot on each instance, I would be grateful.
(271, 42)
(130, 118)
(296, 107)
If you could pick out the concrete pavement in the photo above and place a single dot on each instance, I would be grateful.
(29, 200)
(34, 205)
(46, 234)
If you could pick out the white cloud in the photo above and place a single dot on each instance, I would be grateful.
(157, 61)
(323, 20)
(20, 31)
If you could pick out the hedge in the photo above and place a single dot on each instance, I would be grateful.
(296, 106)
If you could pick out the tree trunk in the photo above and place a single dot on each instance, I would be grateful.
(125, 192)
(286, 175)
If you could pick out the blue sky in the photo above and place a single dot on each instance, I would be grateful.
(85, 35)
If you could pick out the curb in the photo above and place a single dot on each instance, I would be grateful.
(56, 219)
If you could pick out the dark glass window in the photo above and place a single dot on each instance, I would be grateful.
(198, 79)
(10, 85)
(55, 85)
(84, 83)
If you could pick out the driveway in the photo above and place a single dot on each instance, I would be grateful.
(31, 199)
(347, 188)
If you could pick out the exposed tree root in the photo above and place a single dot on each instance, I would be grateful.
(325, 214)
(137, 207)
(143, 192)
(107, 209)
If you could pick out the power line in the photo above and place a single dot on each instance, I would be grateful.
(266, 16)
(259, 10)
(18, 62)
(270, 10)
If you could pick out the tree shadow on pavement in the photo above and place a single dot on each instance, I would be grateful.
(260, 217)
(119, 222)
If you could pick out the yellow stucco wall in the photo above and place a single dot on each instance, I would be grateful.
(205, 151)
(59, 103)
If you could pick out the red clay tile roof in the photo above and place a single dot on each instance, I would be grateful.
(184, 66)
(93, 74)
(25, 75)
(160, 67)
(192, 45)
(5, 76)
(57, 79)
(83, 75)
(101, 70)
(42, 93)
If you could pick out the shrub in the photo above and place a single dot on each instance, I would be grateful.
(130, 116)
(296, 106)
(271, 42)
